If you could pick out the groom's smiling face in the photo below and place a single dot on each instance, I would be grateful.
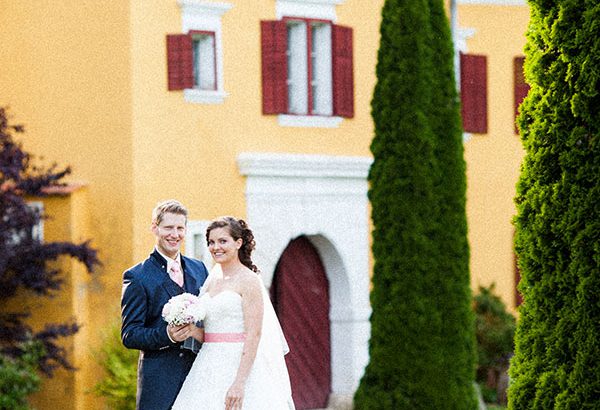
(170, 233)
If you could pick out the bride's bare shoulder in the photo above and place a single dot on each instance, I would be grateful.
(250, 280)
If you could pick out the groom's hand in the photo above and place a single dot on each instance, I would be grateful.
(179, 333)
(197, 333)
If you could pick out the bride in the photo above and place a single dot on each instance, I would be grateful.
(241, 363)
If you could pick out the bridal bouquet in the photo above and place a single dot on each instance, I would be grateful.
(183, 309)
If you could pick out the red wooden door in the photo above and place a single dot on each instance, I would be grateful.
(300, 293)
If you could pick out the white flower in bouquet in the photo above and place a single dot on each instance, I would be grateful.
(197, 310)
(175, 311)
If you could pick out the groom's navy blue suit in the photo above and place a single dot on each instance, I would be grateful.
(163, 364)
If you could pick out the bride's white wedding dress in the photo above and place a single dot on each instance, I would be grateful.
(217, 363)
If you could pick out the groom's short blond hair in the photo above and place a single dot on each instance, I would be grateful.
(171, 206)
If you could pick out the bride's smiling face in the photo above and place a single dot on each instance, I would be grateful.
(222, 246)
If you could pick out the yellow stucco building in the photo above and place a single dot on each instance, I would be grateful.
(259, 109)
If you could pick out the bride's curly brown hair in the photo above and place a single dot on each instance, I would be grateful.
(238, 228)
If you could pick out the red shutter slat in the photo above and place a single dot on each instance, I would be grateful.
(274, 66)
(473, 92)
(521, 87)
(179, 62)
(343, 72)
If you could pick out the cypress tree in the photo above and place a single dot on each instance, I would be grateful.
(422, 335)
(557, 343)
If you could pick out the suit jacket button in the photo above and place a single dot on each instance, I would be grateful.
(180, 354)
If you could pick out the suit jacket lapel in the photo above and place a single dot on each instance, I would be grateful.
(189, 281)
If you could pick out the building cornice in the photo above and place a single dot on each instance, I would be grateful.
(303, 165)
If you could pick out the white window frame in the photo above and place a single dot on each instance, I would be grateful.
(37, 231)
(311, 10)
(204, 58)
(195, 242)
(201, 16)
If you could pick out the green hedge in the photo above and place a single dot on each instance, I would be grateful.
(557, 349)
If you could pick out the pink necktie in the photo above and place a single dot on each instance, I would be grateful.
(176, 274)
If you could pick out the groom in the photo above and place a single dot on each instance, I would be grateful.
(163, 363)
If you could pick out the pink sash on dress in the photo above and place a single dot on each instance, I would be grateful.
(224, 337)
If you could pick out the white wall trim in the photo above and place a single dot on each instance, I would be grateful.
(325, 198)
(194, 95)
(317, 9)
(495, 2)
(308, 121)
(301, 165)
(200, 8)
(461, 37)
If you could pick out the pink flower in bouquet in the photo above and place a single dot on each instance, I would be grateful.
(197, 310)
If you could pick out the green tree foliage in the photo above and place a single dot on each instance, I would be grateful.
(19, 376)
(495, 331)
(422, 348)
(557, 344)
(118, 385)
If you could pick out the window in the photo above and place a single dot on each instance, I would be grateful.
(35, 213)
(194, 58)
(473, 92)
(521, 88)
(309, 79)
(195, 242)
(307, 68)
(37, 232)
(204, 67)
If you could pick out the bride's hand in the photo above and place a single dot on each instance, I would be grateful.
(234, 397)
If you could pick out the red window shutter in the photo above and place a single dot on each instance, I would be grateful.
(343, 76)
(521, 87)
(180, 61)
(274, 66)
(473, 92)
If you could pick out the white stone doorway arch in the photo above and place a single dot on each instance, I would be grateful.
(325, 199)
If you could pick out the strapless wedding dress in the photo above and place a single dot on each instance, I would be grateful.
(217, 363)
